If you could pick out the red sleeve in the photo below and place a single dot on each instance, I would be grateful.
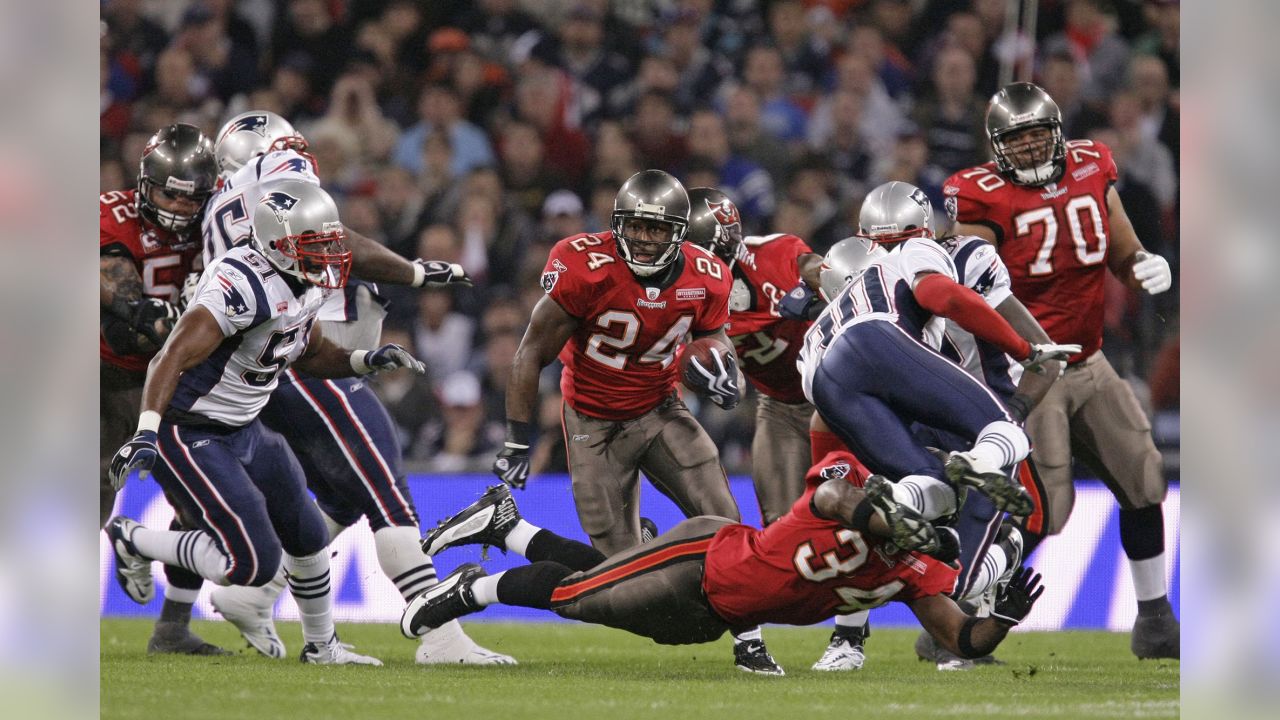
(564, 277)
(117, 230)
(945, 297)
(716, 314)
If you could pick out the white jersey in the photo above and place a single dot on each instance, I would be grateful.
(228, 222)
(266, 328)
(883, 293)
(979, 268)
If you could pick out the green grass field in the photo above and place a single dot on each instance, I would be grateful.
(579, 672)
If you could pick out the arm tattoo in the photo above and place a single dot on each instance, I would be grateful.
(119, 284)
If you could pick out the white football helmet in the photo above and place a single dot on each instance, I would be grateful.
(296, 226)
(844, 263)
(254, 133)
(894, 212)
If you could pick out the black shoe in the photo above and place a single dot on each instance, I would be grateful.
(447, 600)
(1006, 494)
(486, 521)
(1157, 635)
(909, 530)
(177, 639)
(648, 530)
(753, 657)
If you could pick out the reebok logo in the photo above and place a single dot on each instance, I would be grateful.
(581, 438)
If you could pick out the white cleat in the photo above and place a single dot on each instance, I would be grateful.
(449, 645)
(241, 606)
(844, 652)
(334, 653)
(133, 570)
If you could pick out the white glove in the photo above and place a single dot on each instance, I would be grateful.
(1153, 272)
(387, 357)
(1046, 352)
(188, 292)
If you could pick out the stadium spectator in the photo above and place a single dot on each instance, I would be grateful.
(951, 114)
(1090, 37)
(781, 116)
(750, 185)
(440, 111)
(747, 136)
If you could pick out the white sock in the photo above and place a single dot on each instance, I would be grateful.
(857, 619)
(181, 595)
(752, 634)
(190, 549)
(485, 589)
(1001, 444)
(520, 536)
(993, 565)
(928, 496)
(402, 560)
(309, 583)
(334, 527)
(1149, 581)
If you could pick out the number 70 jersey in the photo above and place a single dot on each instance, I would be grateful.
(619, 362)
(1053, 238)
(265, 328)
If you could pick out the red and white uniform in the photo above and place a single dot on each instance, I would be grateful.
(618, 364)
(161, 258)
(1053, 239)
(803, 569)
(767, 344)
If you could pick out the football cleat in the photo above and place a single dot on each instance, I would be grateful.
(486, 521)
(449, 645)
(1009, 540)
(133, 571)
(1156, 636)
(177, 639)
(753, 657)
(449, 599)
(648, 530)
(1006, 494)
(334, 653)
(908, 528)
(844, 652)
(235, 604)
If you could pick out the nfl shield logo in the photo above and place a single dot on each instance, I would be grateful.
(652, 293)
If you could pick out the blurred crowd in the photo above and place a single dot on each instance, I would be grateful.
(482, 131)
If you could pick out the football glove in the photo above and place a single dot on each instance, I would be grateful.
(188, 291)
(139, 453)
(1046, 352)
(1153, 272)
(512, 465)
(719, 383)
(799, 303)
(387, 357)
(1014, 600)
(146, 312)
(439, 273)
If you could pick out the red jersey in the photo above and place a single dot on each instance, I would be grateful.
(618, 364)
(803, 569)
(767, 344)
(162, 259)
(1054, 238)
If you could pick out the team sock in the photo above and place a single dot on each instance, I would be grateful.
(1001, 444)
(993, 565)
(309, 584)
(928, 496)
(193, 550)
(402, 560)
(853, 620)
(546, 545)
(528, 585)
(747, 635)
(1142, 536)
(521, 535)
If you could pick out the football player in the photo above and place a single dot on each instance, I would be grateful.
(252, 316)
(148, 239)
(618, 304)
(870, 365)
(338, 429)
(767, 339)
(838, 549)
(1050, 207)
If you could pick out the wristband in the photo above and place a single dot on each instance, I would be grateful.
(357, 362)
(419, 275)
(518, 434)
(965, 641)
(149, 420)
(861, 518)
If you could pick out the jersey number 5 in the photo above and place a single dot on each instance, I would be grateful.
(273, 357)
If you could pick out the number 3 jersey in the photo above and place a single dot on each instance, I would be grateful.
(803, 569)
(266, 327)
(1053, 238)
(767, 344)
(618, 362)
(161, 258)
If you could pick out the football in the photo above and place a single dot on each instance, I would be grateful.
(701, 349)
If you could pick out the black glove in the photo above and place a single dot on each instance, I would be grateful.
(144, 313)
(718, 383)
(799, 303)
(439, 272)
(139, 453)
(512, 463)
(1014, 600)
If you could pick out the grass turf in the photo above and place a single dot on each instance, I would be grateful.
(579, 672)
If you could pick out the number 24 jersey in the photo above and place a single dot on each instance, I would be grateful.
(618, 364)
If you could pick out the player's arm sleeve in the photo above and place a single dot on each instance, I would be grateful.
(965, 204)
(984, 273)
(715, 315)
(945, 297)
(234, 296)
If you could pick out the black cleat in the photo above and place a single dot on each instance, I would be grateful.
(648, 530)
(753, 657)
(449, 599)
(1006, 494)
(177, 639)
(1157, 635)
(486, 521)
(909, 530)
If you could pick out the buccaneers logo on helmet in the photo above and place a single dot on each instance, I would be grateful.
(726, 213)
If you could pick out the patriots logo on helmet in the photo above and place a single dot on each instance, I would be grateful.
(836, 471)
(920, 198)
(725, 212)
(280, 203)
(250, 123)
